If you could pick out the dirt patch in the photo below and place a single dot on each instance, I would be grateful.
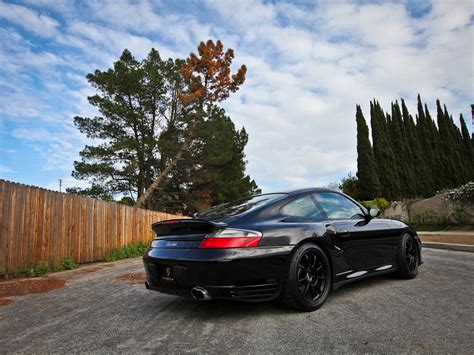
(133, 277)
(29, 286)
(4, 302)
(87, 270)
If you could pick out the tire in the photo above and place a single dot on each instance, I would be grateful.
(408, 257)
(308, 281)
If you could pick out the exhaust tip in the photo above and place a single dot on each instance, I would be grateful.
(147, 285)
(200, 294)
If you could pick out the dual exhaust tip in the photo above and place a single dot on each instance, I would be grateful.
(198, 293)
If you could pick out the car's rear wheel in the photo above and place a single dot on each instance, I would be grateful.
(308, 281)
(408, 257)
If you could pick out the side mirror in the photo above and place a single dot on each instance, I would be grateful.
(374, 212)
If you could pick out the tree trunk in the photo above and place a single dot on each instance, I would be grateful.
(160, 180)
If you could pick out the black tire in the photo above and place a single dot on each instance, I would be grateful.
(308, 281)
(408, 257)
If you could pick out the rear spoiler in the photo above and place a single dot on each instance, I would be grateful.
(185, 226)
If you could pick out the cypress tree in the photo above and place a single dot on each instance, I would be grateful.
(368, 180)
(436, 164)
(418, 158)
(457, 149)
(423, 132)
(468, 149)
(383, 153)
(417, 163)
(451, 170)
(403, 154)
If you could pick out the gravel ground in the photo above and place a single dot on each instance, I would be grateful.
(106, 308)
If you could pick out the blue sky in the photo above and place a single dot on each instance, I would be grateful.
(309, 64)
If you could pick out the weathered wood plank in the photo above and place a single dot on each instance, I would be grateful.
(41, 225)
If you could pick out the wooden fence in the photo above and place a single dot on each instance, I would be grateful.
(38, 225)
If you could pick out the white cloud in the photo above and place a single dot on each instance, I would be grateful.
(57, 151)
(308, 66)
(6, 170)
(40, 25)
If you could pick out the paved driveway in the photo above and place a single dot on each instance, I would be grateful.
(106, 308)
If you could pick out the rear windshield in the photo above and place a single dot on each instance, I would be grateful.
(239, 206)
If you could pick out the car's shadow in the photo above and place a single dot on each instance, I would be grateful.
(216, 309)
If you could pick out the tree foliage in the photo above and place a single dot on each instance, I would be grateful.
(208, 81)
(366, 166)
(211, 172)
(413, 158)
(144, 120)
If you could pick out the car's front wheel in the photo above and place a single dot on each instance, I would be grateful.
(408, 257)
(308, 281)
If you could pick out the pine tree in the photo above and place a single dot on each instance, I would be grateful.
(368, 181)
(208, 81)
(140, 130)
(211, 172)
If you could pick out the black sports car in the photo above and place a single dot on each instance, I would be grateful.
(292, 246)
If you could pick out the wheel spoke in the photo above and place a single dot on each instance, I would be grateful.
(301, 275)
(306, 257)
(303, 268)
(305, 290)
(316, 291)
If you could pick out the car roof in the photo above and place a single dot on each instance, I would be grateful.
(305, 190)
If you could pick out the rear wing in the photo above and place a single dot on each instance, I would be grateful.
(185, 226)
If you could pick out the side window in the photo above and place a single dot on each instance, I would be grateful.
(337, 206)
(302, 209)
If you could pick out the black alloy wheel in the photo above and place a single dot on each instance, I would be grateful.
(308, 282)
(408, 257)
(311, 276)
(410, 254)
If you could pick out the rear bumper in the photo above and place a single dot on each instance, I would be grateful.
(247, 274)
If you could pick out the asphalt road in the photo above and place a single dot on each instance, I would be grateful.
(96, 311)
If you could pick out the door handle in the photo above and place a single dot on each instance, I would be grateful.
(343, 233)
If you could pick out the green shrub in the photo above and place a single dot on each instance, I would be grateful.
(461, 216)
(69, 263)
(43, 268)
(380, 203)
(37, 270)
(430, 221)
(133, 250)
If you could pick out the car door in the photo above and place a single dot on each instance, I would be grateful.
(366, 243)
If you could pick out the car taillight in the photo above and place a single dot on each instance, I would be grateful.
(231, 238)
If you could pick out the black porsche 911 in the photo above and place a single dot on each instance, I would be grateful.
(291, 246)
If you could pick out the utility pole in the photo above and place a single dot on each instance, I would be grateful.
(60, 184)
(472, 123)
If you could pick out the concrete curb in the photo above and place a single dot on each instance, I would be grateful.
(447, 246)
